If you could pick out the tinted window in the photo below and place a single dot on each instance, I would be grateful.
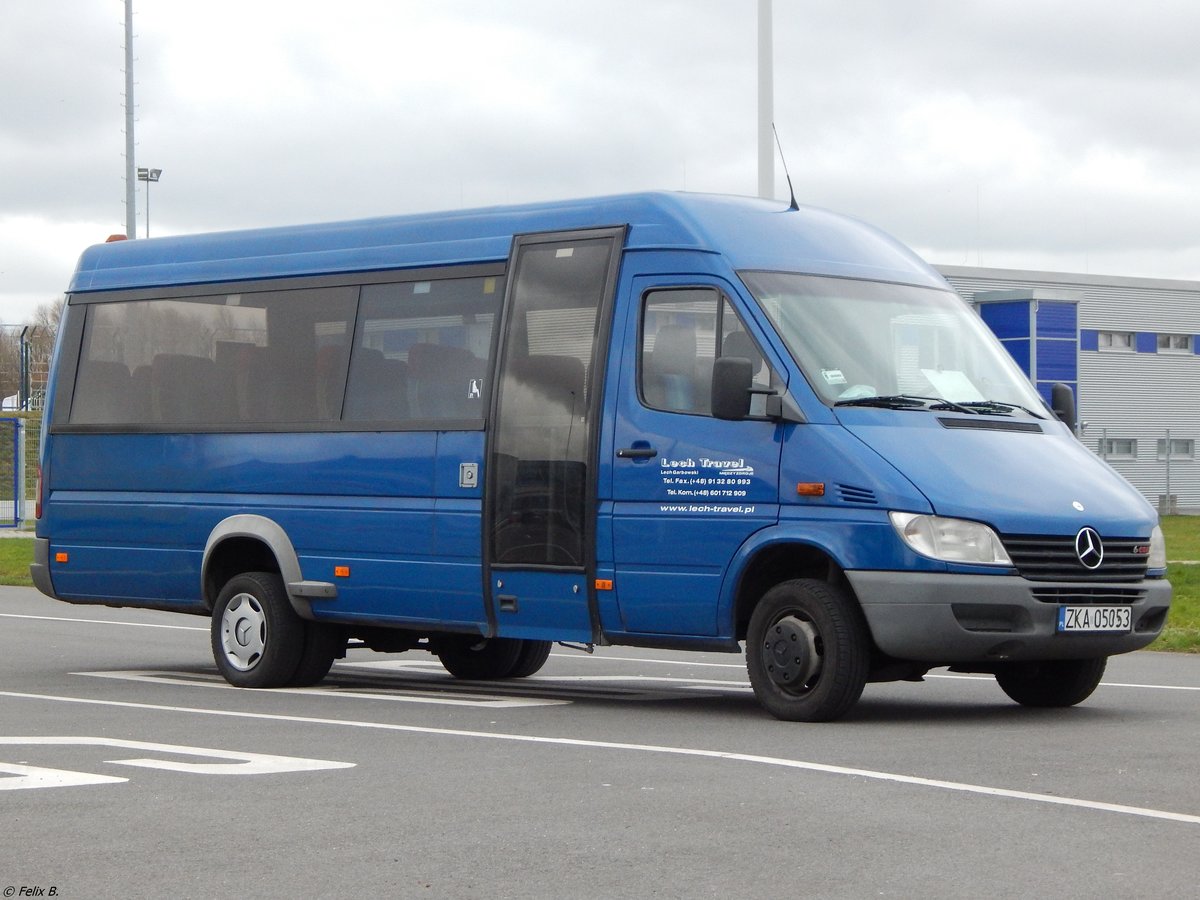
(253, 358)
(422, 349)
(539, 465)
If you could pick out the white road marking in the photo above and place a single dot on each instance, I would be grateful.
(393, 695)
(573, 656)
(241, 762)
(23, 778)
(988, 679)
(660, 662)
(755, 759)
(658, 679)
(103, 622)
(421, 665)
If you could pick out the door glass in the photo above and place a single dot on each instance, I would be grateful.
(683, 331)
(538, 475)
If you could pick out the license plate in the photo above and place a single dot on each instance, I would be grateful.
(1094, 618)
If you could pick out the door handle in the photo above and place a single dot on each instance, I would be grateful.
(637, 452)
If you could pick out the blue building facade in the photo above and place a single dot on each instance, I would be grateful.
(1131, 349)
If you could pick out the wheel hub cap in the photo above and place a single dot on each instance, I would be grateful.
(791, 652)
(243, 632)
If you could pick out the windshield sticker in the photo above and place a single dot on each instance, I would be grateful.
(953, 385)
(833, 376)
(858, 392)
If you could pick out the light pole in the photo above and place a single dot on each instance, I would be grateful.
(148, 175)
(766, 102)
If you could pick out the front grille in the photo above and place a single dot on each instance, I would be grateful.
(1085, 594)
(1049, 558)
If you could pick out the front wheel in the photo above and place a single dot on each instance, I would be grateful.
(807, 651)
(1056, 683)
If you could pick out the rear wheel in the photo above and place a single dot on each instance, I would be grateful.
(807, 651)
(479, 659)
(1056, 683)
(532, 657)
(322, 645)
(257, 639)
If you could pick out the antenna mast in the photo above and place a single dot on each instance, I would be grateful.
(786, 173)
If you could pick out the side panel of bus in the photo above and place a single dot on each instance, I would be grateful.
(350, 415)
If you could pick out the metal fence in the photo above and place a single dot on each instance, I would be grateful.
(12, 472)
(1161, 463)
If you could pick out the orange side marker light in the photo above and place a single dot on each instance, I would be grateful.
(60, 557)
(811, 489)
(604, 584)
(341, 571)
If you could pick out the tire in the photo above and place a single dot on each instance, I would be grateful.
(322, 645)
(1057, 683)
(257, 639)
(532, 657)
(479, 659)
(807, 651)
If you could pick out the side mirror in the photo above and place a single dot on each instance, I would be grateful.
(733, 379)
(1062, 401)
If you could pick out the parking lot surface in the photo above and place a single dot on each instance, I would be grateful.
(128, 768)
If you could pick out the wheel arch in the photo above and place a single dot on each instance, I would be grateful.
(768, 563)
(249, 543)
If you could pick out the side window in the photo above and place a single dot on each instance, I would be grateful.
(421, 351)
(1116, 341)
(231, 359)
(683, 331)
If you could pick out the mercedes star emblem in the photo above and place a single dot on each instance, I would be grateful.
(1089, 548)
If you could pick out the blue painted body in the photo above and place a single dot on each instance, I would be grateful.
(134, 511)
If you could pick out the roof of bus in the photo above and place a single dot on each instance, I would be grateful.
(749, 233)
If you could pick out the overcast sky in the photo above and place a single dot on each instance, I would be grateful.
(1010, 133)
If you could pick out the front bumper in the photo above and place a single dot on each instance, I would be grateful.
(945, 618)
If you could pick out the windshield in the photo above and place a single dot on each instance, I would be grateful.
(871, 343)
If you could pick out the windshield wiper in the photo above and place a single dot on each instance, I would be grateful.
(907, 401)
(998, 407)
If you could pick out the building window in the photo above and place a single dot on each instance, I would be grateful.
(1116, 341)
(1174, 343)
(1180, 448)
(1120, 448)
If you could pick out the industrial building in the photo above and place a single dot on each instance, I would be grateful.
(1131, 349)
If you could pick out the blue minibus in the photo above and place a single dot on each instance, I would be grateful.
(660, 420)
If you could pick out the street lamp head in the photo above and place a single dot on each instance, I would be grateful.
(148, 175)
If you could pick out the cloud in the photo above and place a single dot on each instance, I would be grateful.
(1064, 131)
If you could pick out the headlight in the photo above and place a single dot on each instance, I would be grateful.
(1158, 550)
(950, 540)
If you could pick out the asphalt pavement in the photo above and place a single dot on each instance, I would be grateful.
(130, 769)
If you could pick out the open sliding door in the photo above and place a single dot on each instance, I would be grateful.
(540, 514)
